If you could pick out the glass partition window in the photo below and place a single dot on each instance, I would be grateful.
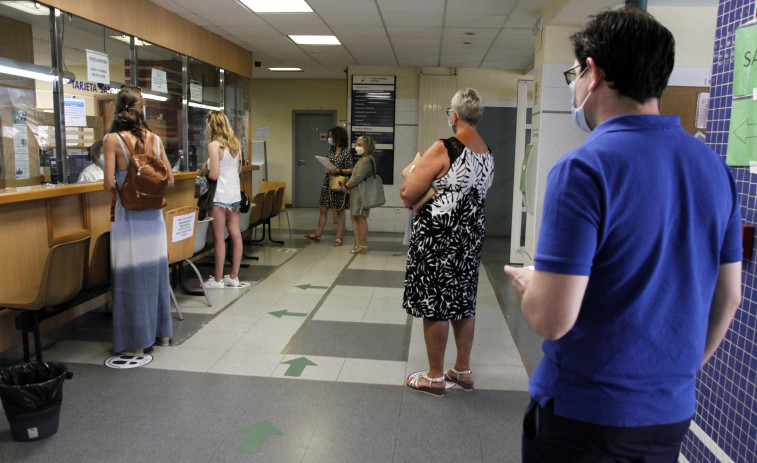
(36, 108)
(203, 95)
(159, 75)
(28, 138)
(237, 108)
(98, 60)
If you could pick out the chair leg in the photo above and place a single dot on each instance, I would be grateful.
(270, 233)
(199, 277)
(176, 304)
(25, 339)
(37, 338)
(289, 227)
(183, 285)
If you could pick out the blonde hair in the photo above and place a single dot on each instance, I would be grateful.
(368, 144)
(469, 105)
(218, 128)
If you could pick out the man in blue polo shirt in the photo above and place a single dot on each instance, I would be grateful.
(638, 265)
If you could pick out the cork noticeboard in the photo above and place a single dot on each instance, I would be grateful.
(682, 102)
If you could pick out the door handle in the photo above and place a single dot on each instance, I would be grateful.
(301, 162)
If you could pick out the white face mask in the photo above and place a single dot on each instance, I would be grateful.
(578, 113)
(102, 160)
(359, 150)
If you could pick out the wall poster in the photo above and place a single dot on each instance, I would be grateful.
(373, 105)
(742, 136)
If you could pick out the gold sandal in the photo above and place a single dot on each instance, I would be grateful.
(313, 237)
(360, 248)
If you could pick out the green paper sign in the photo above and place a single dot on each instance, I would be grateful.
(745, 61)
(742, 135)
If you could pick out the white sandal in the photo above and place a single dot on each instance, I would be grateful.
(466, 385)
(412, 383)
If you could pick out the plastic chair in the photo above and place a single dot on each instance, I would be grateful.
(98, 273)
(265, 218)
(264, 186)
(181, 230)
(62, 280)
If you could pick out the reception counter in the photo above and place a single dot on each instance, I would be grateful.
(32, 217)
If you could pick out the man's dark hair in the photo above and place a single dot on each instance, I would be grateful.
(635, 51)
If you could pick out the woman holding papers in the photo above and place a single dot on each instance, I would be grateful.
(340, 156)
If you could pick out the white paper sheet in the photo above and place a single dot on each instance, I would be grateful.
(325, 161)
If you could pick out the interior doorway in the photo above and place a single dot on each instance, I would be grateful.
(309, 139)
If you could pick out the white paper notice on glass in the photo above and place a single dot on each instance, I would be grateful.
(195, 91)
(73, 108)
(325, 161)
(158, 82)
(703, 106)
(98, 69)
(20, 144)
(183, 227)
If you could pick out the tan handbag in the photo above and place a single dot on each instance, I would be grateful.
(425, 197)
(336, 182)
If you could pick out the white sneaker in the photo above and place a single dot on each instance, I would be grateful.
(213, 284)
(231, 282)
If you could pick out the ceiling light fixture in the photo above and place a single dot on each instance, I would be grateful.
(152, 96)
(28, 7)
(285, 69)
(315, 39)
(32, 71)
(277, 6)
(127, 39)
(205, 106)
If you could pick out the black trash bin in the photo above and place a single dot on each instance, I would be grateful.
(31, 394)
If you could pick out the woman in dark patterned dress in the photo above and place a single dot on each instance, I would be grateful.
(441, 279)
(340, 156)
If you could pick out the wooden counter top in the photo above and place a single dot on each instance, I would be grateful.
(30, 193)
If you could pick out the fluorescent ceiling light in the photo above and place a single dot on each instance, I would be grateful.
(127, 39)
(278, 6)
(315, 39)
(285, 69)
(152, 96)
(28, 7)
(205, 106)
(28, 70)
(28, 74)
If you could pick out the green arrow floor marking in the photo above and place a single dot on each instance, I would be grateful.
(297, 366)
(257, 434)
(309, 286)
(281, 313)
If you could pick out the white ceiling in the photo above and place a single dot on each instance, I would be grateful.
(435, 33)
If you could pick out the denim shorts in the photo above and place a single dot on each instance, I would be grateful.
(235, 206)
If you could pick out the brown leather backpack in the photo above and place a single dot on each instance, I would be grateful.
(146, 180)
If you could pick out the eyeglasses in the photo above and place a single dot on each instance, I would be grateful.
(571, 74)
(449, 111)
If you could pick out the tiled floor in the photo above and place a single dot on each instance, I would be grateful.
(306, 365)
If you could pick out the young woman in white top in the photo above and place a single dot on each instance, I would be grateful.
(224, 158)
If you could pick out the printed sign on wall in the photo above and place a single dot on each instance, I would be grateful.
(373, 107)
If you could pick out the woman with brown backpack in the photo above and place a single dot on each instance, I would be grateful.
(138, 247)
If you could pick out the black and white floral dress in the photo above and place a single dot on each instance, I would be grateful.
(336, 199)
(441, 278)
